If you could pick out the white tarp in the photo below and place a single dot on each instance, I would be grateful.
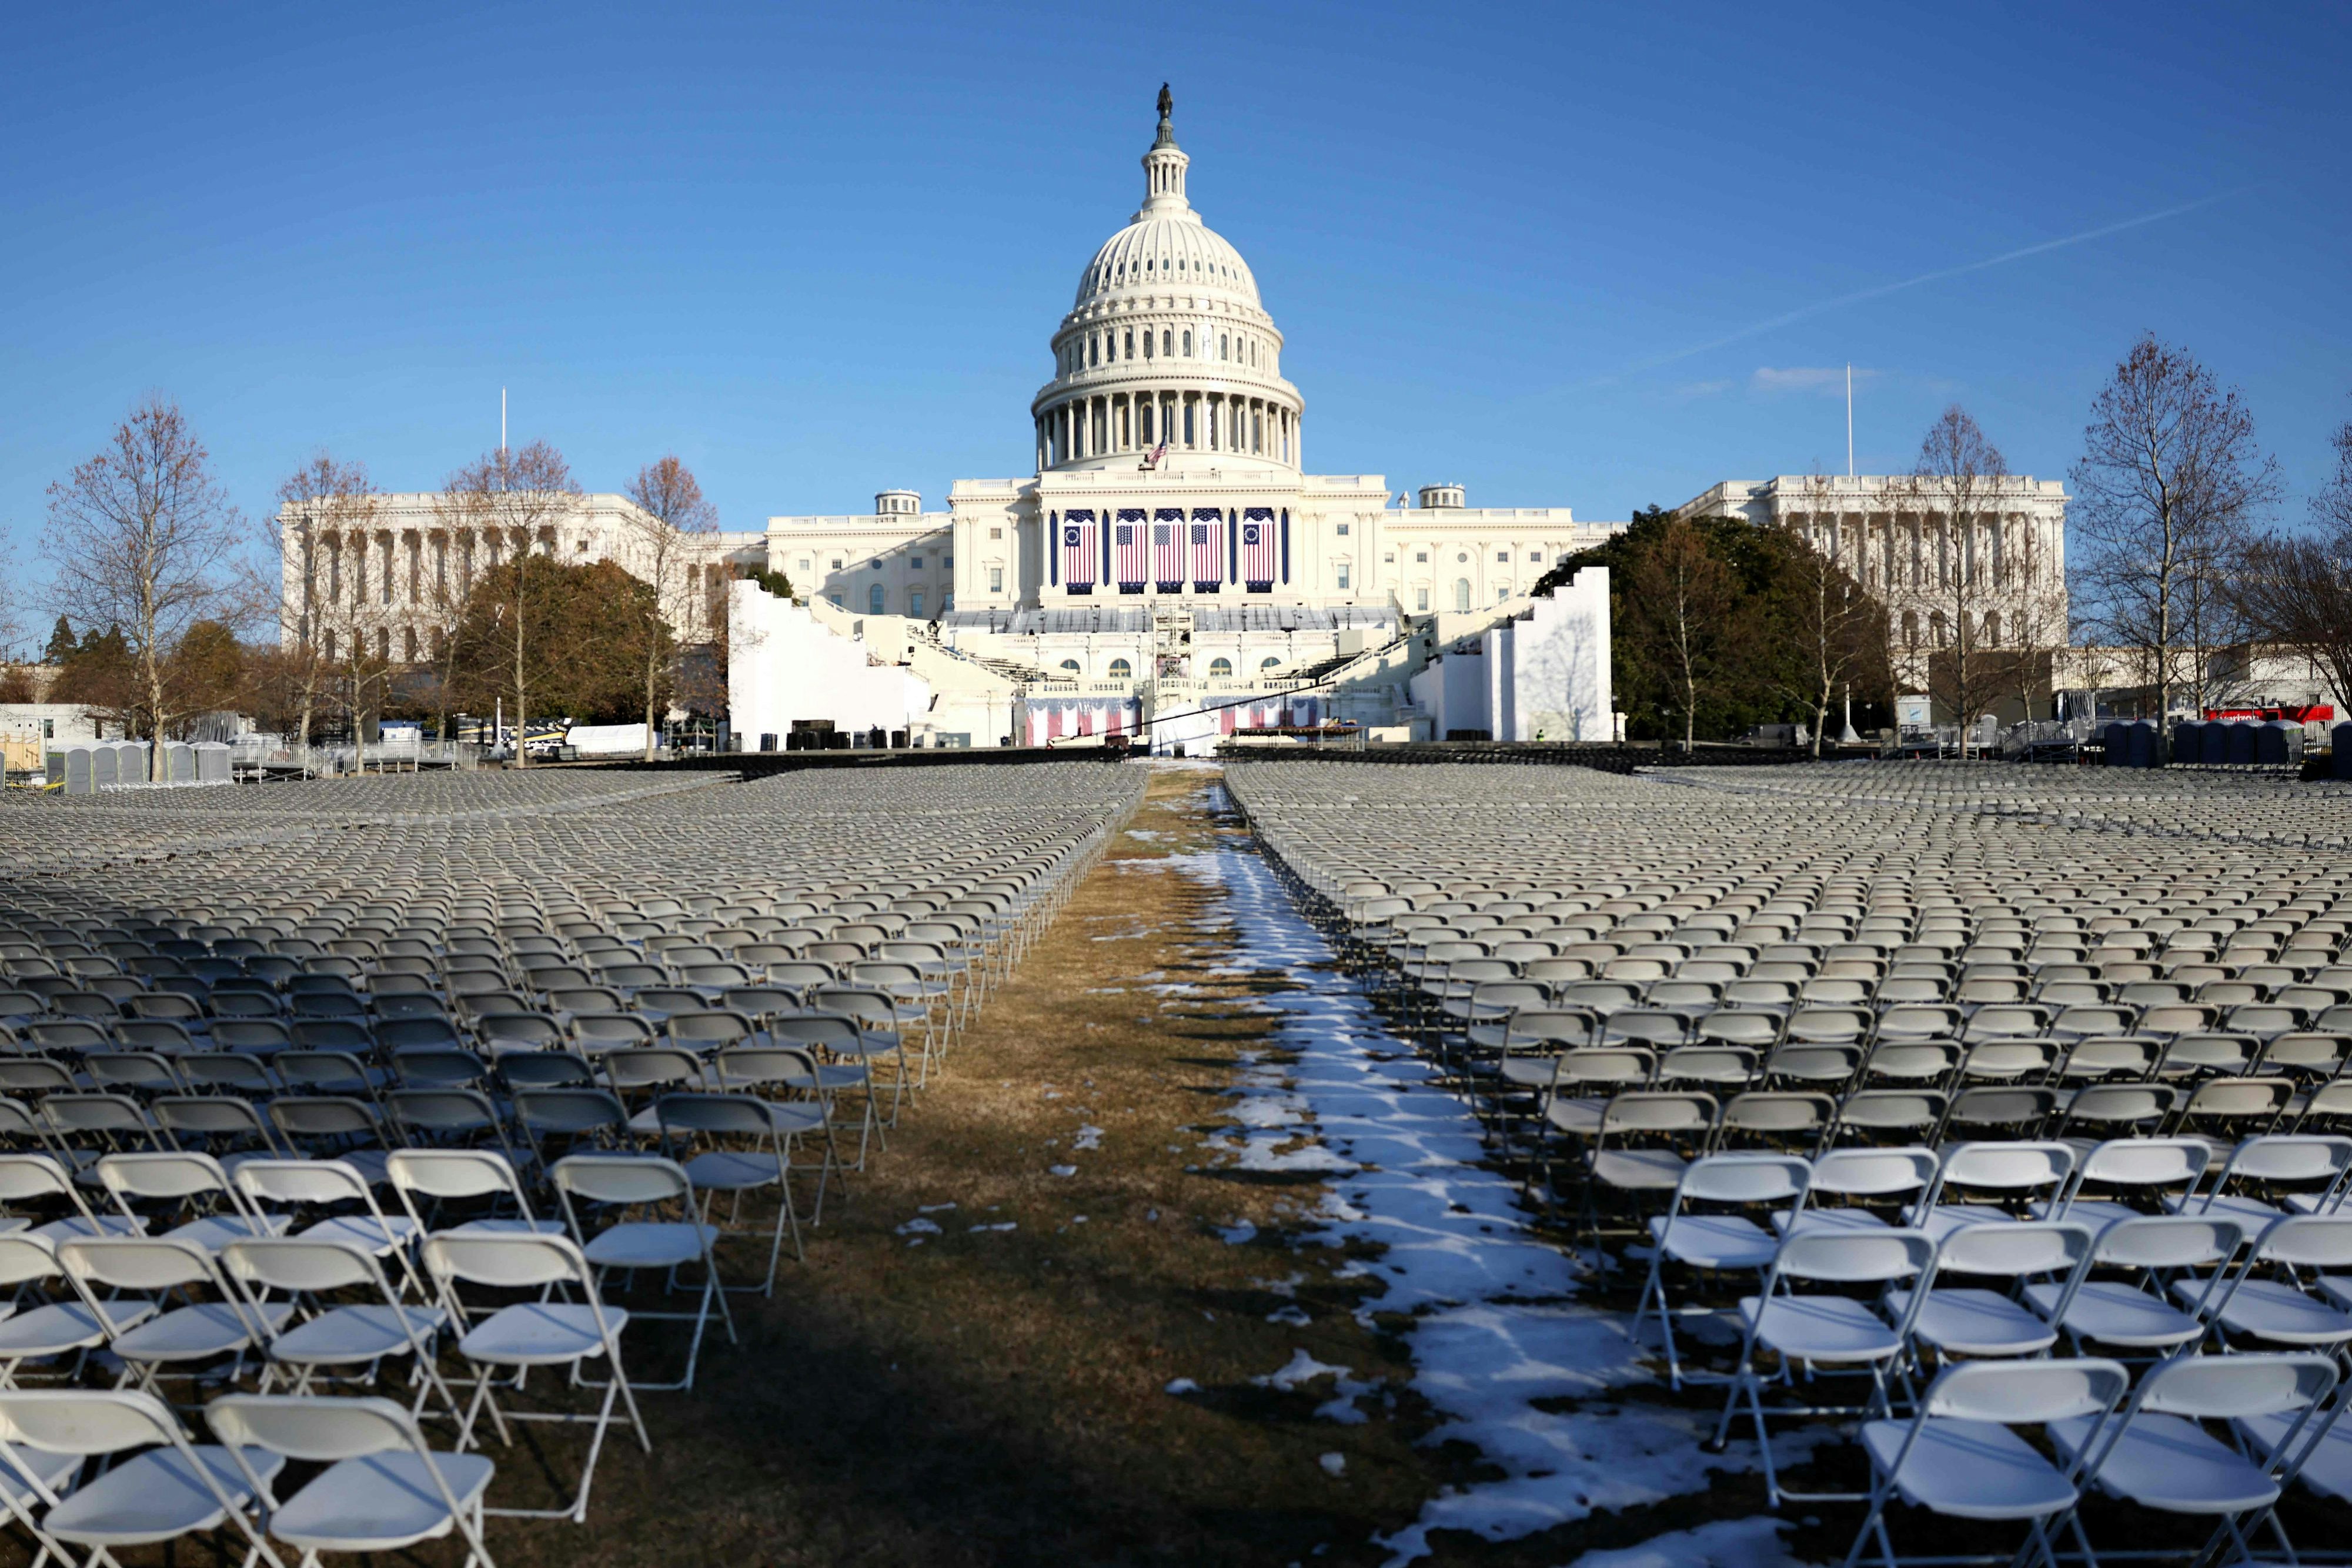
(606, 739)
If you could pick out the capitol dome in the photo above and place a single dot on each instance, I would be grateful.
(1167, 343)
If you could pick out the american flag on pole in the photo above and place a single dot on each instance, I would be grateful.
(1257, 547)
(1207, 548)
(1151, 459)
(1168, 547)
(1078, 550)
(1131, 548)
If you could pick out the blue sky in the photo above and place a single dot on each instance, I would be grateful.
(1594, 257)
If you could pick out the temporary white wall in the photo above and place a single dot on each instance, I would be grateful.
(783, 665)
(1542, 673)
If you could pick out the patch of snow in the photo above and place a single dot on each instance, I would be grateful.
(919, 1227)
(1183, 1385)
(1497, 1323)
(1002, 1225)
(1235, 1235)
(1062, 1170)
(1087, 1138)
(933, 1207)
(1334, 1464)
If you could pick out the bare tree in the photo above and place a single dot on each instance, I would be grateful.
(1956, 485)
(323, 508)
(1837, 632)
(513, 500)
(144, 538)
(671, 506)
(2168, 486)
(2296, 589)
(1687, 600)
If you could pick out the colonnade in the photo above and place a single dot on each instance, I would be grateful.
(1930, 567)
(1186, 421)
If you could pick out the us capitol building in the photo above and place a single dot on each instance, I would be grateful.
(1170, 537)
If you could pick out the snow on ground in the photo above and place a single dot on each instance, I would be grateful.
(1499, 1326)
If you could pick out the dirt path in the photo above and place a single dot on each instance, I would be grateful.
(987, 1382)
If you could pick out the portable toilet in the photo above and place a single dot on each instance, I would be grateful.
(179, 762)
(2214, 748)
(212, 760)
(2139, 744)
(2343, 750)
(2116, 744)
(2241, 744)
(81, 768)
(102, 765)
(2271, 743)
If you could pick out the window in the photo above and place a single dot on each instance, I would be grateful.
(408, 641)
(996, 533)
(837, 563)
(1341, 567)
(330, 642)
(1224, 347)
(1188, 342)
(948, 561)
(995, 579)
(916, 561)
(947, 602)
(1130, 343)
(1502, 555)
(1421, 557)
(835, 598)
(1120, 669)
(1461, 558)
(1071, 665)
(1461, 593)
(1420, 600)
(1342, 530)
(1387, 558)
(1165, 339)
(1220, 668)
(49, 729)
(875, 563)
(1269, 664)
(874, 600)
(1502, 593)
(1094, 350)
(804, 565)
(1147, 345)
(915, 603)
(1534, 555)
(383, 643)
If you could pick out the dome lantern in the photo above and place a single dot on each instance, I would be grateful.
(1163, 168)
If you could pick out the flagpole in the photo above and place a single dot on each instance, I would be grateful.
(1848, 419)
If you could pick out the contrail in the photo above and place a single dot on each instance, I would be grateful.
(1882, 290)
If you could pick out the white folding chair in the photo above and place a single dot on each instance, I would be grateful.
(334, 1337)
(2314, 1163)
(1823, 1330)
(2129, 1316)
(1958, 1456)
(1862, 1176)
(45, 1325)
(2004, 1172)
(169, 1488)
(636, 1183)
(318, 1185)
(29, 1178)
(2275, 1309)
(382, 1491)
(2155, 1454)
(184, 1180)
(182, 1337)
(2151, 1167)
(739, 1143)
(1971, 1321)
(441, 1176)
(1715, 1242)
(546, 1332)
